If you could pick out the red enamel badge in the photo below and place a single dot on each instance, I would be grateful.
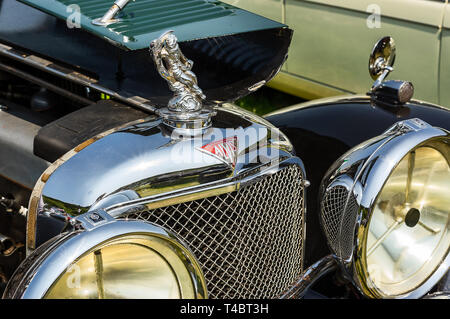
(225, 149)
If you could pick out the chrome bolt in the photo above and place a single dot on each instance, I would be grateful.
(94, 217)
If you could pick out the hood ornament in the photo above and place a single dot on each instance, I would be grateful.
(185, 108)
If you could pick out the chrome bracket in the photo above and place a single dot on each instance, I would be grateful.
(92, 219)
(108, 17)
(310, 276)
(385, 72)
(414, 124)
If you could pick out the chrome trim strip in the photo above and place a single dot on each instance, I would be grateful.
(311, 275)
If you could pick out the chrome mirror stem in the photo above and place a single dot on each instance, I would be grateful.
(380, 79)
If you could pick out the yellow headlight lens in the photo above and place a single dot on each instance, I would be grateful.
(408, 234)
(138, 267)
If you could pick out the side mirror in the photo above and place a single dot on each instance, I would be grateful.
(382, 58)
(381, 61)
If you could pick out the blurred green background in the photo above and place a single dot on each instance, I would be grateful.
(266, 100)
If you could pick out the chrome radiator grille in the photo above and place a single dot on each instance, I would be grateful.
(248, 242)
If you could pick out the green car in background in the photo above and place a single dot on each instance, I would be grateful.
(332, 37)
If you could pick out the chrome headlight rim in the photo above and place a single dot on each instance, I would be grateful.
(361, 259)
(387, 151)
(41, 270)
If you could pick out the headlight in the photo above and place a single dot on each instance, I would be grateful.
(408, 235)
(118, 259)
(386, 210)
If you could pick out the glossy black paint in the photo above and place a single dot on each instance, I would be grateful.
(322, 130)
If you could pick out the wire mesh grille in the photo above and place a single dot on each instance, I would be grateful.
(248, 242)
(339, 220)
(347, 228)
(332, 211)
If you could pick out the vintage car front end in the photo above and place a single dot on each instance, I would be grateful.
(193, 197)
(234, 196)
(143, 180)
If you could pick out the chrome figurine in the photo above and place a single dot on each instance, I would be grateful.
(175, 68)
